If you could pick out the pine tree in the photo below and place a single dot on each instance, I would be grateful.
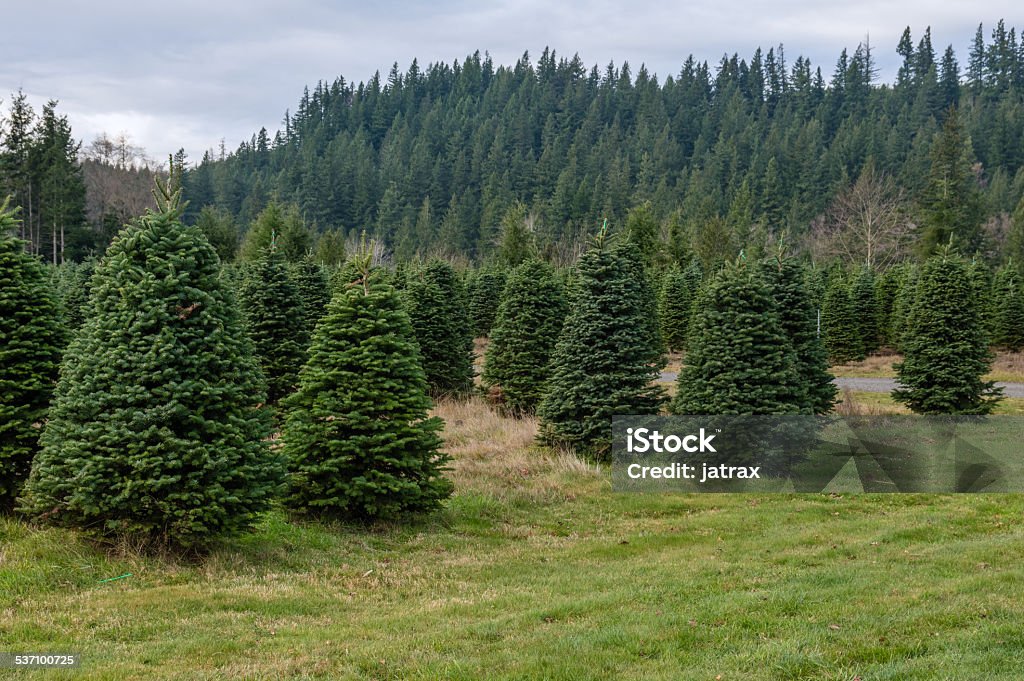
(1007, 310)
(310, 282)
(888, 285)
(357, 434)
(484, 298)
(518, 242)
(739, 359)
(865, 309)
(840, 327)
(31, 341)
(798, 318)
(530, 317)
(951, 202)
(607, 357)
(273, 313)
(674, 307)
(157, 429)
(946, 353)
(282, 226)
(436, 303)
(903, 306)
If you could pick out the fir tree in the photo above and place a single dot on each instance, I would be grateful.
(157, 429)
(739, 359)
(840, 327)
(310, 283)
(865, 309)
(484, 298)
(31, 341)
(530, 317)
(674, 307)
(1007, 310)
(951, 203)
(358, 437)
(946, 354)
(903, 306)
(607, 357)
(798, 319)
(436, 302)
(274, 316)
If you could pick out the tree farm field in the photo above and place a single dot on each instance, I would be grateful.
(535, 569)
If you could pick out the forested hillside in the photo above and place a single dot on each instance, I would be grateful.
(727, 154)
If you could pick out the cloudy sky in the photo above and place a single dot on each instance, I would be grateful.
(191, 72)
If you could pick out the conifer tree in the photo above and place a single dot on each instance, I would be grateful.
(1007, 310)
(357, 436)
(31, 341)
(865, 309)
(903, 306)
(982, 284)
(607, 357)
(484, 298)
(310, 282)
(798, 319)
(946, 353)
(739, 359)
(530, 317)
(840, 328)
(436, 303)
(674, 306)
(951, 203)
(887, 286)
(274, 317)
(157, 429)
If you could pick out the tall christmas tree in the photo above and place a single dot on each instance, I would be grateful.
(607, 357)
(523, 340)
(484, 298)
(311, 284)
(946, 352)
(799, 321)
(157, 429)
(674, 306)
(274, 316)
(1007, 310)
(840, 327)
(739, 358)
(437, 308)
(865, 309)
(357, 435)
(31, 341)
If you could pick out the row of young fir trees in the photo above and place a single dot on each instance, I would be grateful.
(160, 424)
(159, 427)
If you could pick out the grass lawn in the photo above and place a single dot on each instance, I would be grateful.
(536, 570)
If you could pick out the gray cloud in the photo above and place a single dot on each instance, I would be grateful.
(189, 73)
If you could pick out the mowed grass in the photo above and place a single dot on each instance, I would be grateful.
(537, 570)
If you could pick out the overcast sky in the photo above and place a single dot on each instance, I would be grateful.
(191, 72)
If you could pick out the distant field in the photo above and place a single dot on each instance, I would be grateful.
(536, 570)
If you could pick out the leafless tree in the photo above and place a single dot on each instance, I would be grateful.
(867, 224)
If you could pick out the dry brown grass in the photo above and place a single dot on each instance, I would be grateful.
(1008, 367)
(497, 455)
(875, 366)
(853, 403)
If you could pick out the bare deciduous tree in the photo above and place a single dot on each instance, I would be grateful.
(867, 224)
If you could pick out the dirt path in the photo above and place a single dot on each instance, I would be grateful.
(880, 385)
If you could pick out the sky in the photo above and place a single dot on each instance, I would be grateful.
(189, 73)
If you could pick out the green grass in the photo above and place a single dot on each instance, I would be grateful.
(536, 570)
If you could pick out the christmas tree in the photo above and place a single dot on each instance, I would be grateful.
(274, 316)
(840, 327)
(607, 357)
(436, 303)
(523, 340)
(31, 340)
(739, 358)
(946, 352)
(158, 429)
(357, 434)
(1007, 310)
